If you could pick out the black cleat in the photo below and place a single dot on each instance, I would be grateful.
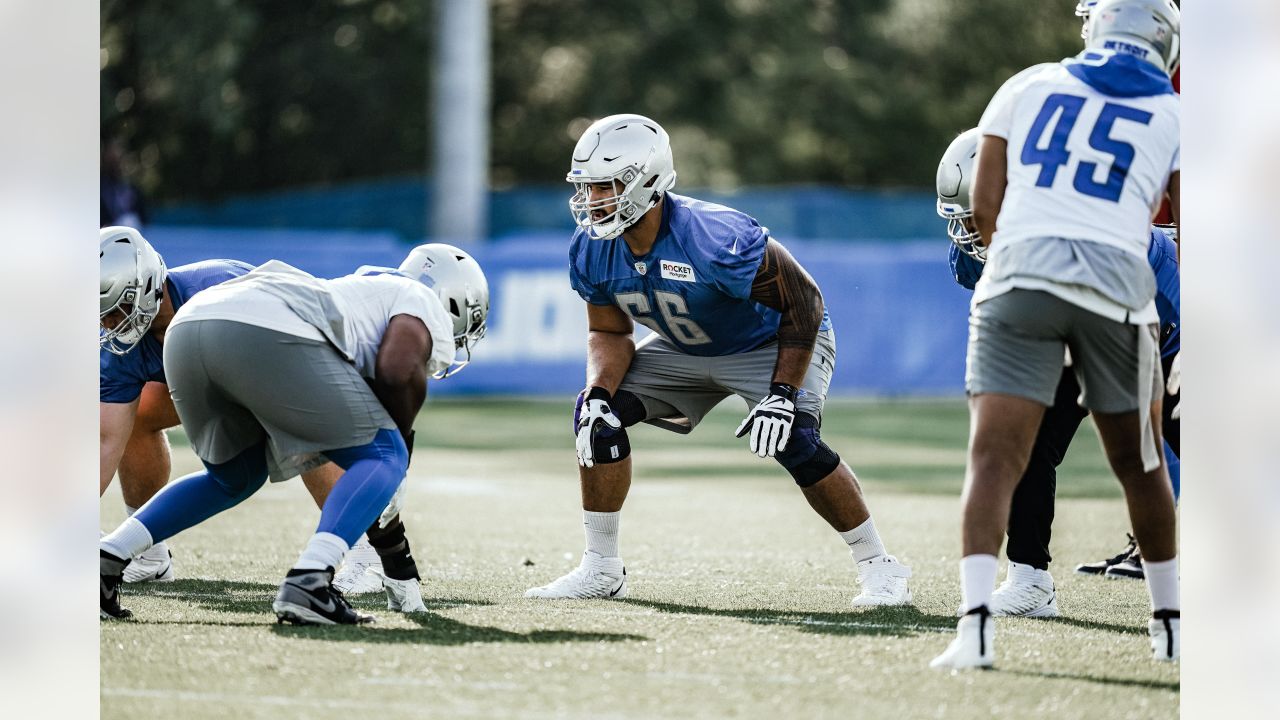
(1100, 567)
(110, 577)
(307, 597)
(1130, 568)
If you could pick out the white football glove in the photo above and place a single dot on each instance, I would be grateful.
(770, 421)
(594, 413)
(1174, 384)
(393, 507)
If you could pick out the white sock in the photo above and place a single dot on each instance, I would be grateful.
(325, 550)
(157, 550)
(128, 540)
(363, 553)
(602, 532)
(1162, 583)
(977, 580)
(864, 542)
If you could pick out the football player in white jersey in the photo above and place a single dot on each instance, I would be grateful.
(275, 372)
(1074, 160)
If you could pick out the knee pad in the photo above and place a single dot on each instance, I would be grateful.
(807, 458)
(609, 445)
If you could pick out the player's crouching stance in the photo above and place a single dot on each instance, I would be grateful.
(1073, 160)
(139, 296)
(277, 370)
(733, 314)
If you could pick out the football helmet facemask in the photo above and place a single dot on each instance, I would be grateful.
(632, 154)
(456, 278)
(954, 183)
(131, 275)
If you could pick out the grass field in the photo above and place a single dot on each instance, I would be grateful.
(739, 593)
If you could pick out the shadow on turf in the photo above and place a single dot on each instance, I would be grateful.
(232, 596)
(1174, 685)
(891, 621)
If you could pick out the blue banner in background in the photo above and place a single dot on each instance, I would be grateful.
(899, 317)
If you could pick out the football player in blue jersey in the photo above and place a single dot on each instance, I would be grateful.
(1028, 589)
(138, 298)
(732, 313)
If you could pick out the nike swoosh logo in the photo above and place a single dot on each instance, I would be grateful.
(611, 159)
(328, 606)
(734, 250)
(619, 588)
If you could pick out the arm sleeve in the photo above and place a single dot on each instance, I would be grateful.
(120, 377)
(416, 300)
(579, 276)
(964, 269)
(584, 287)
(735, 259)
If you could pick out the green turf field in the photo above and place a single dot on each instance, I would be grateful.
(739, 593)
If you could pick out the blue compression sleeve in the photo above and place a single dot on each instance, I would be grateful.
(373, 473)
(201, 495)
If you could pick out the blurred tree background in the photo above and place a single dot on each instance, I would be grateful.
(226, 97)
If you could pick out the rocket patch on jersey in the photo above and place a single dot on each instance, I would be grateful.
(677, 271)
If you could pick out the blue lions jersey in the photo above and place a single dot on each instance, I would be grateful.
(121, 377)
(1162, 253)
(693, 287)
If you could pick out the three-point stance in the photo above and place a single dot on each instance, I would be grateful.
(277, 371)
(732, 314)
(139, 296)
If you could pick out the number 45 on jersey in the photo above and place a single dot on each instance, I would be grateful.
(1058, 117)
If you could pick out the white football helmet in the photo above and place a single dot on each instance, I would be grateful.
(1148, 29)
(631, 152)
(131, 275)
(954, 181)
(460, 284)
(1083, 8)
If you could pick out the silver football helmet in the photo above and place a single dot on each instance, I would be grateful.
(633, 154)
(954, 181)
(1148, 29)
(131, 275)
(460, 284)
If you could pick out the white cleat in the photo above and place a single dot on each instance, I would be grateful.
(884, 582)
(352, 578)
(1165, 630)
(595, 577)
(974, 646)
(402, 595)
(154, 565)
(1025, 592)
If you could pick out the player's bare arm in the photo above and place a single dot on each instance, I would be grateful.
(990, 176)
(782, 284)
(610, 346)
(400, 371)
(1175, 207)
(115, 425)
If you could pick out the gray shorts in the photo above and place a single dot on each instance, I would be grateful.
(1017, 342)
(679, 389)
(233, 384)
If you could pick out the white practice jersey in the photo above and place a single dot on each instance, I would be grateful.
(352, 312)
(1082, 164)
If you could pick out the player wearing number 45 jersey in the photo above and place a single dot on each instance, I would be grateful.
(732, 314)
(1074, 160)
